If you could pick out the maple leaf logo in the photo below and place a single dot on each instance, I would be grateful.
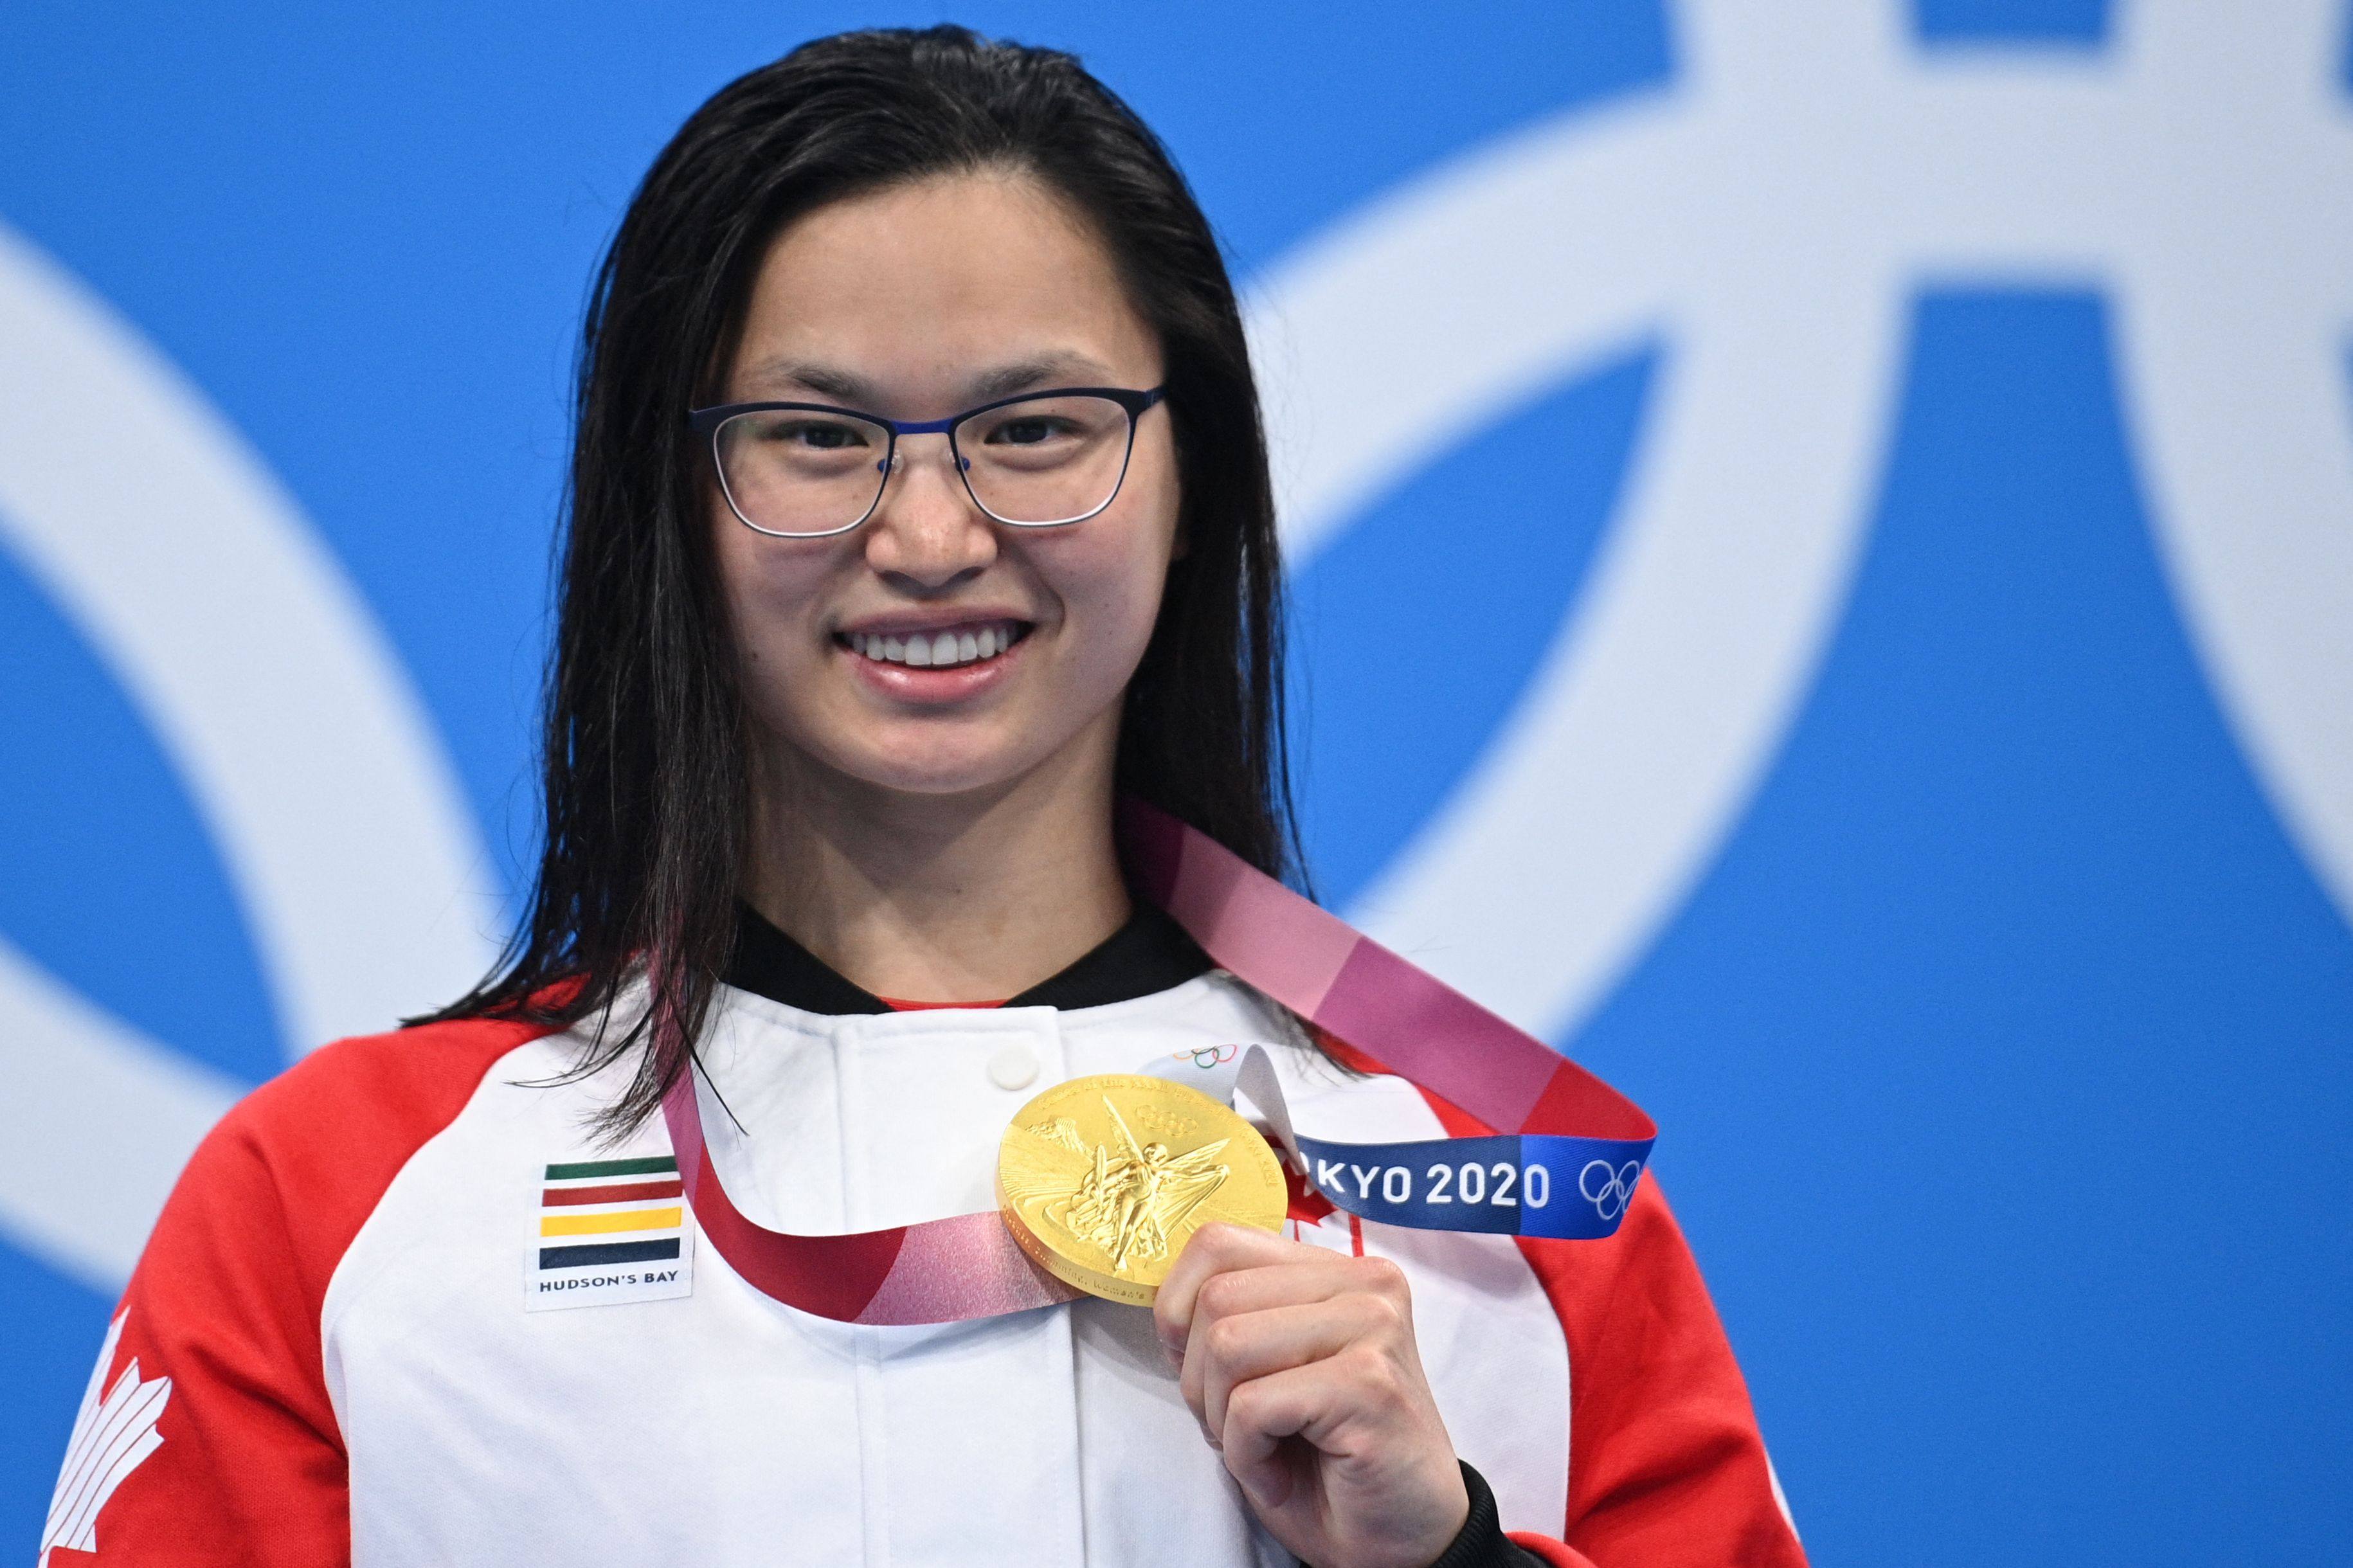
(110, 1437)
(1308, 1206)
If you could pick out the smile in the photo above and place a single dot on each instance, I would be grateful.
(946, 648)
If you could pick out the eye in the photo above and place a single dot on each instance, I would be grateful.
(1028, 430)
(818, 435)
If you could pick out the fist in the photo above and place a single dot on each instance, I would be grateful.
(1300, 1367)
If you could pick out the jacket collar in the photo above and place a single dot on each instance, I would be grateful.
(1149, 954)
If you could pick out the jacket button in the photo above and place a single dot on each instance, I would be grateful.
(1015, 1067)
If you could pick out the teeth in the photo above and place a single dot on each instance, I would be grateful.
(938, 650)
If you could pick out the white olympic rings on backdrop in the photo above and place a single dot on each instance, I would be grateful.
(1765, 217)
(353, 853)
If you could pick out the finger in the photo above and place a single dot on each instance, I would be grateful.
(1235, 1350)
(1239, 1291)
(1213, 1249)
(1327, 1404)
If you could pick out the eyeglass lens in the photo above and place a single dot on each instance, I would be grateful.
(1042, 460)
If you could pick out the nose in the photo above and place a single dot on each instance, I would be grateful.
(925, 529)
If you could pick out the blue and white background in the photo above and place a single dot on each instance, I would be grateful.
(1824, 546)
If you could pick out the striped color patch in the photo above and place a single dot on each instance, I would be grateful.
(606, 1231)
(605, 1223)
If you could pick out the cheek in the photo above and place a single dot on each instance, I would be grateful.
(1130, 563)
(769, 594)
(1113, 587)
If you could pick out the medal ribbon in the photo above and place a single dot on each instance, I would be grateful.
(1563, 1161)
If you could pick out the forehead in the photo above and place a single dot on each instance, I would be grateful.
(923, 293)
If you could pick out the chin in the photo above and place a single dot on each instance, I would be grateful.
(938, 755)
(938, 770)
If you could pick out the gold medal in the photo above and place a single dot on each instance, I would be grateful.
(1103, 1179)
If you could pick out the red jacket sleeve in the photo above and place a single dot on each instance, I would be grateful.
(207, 1437)
(1665, 1463)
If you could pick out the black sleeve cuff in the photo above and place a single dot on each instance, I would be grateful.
(1479, 1544)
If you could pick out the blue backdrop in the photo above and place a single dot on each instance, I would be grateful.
(1975, 923)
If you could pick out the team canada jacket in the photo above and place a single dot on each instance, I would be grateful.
(403, 1309)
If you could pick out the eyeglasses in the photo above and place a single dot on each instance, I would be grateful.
(805, 470)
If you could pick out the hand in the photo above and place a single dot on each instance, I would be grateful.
(1300, 1364)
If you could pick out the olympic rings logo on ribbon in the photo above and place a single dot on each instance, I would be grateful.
(1616, 1187)
(1205, 1057)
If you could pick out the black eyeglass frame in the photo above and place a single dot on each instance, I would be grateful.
(706, 422)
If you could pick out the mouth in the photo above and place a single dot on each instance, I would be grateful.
(940, 648)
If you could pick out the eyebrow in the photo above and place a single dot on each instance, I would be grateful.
(1006, 380)
(848, 386)
(780, 377)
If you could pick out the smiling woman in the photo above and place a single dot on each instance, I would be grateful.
(920, 512)
(925, 299)
(982, 224)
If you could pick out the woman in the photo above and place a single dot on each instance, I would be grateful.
(919, 510)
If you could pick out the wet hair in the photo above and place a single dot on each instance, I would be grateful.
(645, 768)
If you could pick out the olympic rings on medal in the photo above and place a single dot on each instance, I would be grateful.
(1616, 1190)
(1205, 1057)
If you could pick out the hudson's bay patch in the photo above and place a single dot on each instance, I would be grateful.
(606, 1231)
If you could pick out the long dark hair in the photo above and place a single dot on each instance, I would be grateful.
(645, 773)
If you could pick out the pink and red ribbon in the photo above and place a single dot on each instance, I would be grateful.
(968, 1266)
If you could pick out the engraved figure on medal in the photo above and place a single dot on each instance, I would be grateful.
(1124, 1201)
(1109, 1212)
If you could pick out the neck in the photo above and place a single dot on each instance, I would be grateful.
(942, 898)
